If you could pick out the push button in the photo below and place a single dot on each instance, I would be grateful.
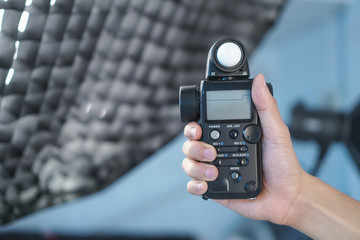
(233, 134)
(250, 187)
(243, 148)
(243, 162)
(236, 176)
(219, 185)
(214, 134)
(227, 149)
(227, 162)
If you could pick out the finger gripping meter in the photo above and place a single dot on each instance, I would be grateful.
(223, 107)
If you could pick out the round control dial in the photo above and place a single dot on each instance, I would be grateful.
(251, 134)
(229, 54)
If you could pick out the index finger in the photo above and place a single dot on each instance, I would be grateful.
(193, 131)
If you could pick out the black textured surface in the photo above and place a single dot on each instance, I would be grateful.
(89, 88)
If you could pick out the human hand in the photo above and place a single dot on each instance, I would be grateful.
(282, 173)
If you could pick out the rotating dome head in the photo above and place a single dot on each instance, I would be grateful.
(227, 60)
(228, 55)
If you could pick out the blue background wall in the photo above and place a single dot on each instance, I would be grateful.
(312, 54)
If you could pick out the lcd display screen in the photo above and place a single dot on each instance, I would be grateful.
(228, 105)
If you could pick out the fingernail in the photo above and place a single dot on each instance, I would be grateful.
(199, 187)
(209, 154)
(210, 173)
(192, 132)
(261, 79)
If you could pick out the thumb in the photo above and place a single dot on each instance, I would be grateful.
(271, 121)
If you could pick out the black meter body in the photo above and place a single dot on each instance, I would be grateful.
(223, 107)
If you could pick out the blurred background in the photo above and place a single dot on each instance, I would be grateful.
(308, 49)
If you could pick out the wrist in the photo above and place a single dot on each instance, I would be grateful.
(301, 204)
(322, 212)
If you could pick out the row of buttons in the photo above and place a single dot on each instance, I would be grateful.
(232, 156)
(231, 162)
(222, 184)
(215, 134)
(249, 186)
(251, 134)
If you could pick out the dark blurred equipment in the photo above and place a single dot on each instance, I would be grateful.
(326, 127)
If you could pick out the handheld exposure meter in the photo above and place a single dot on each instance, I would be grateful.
(223, 107)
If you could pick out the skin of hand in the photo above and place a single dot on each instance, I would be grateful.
(281, 170)
(289, 196)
